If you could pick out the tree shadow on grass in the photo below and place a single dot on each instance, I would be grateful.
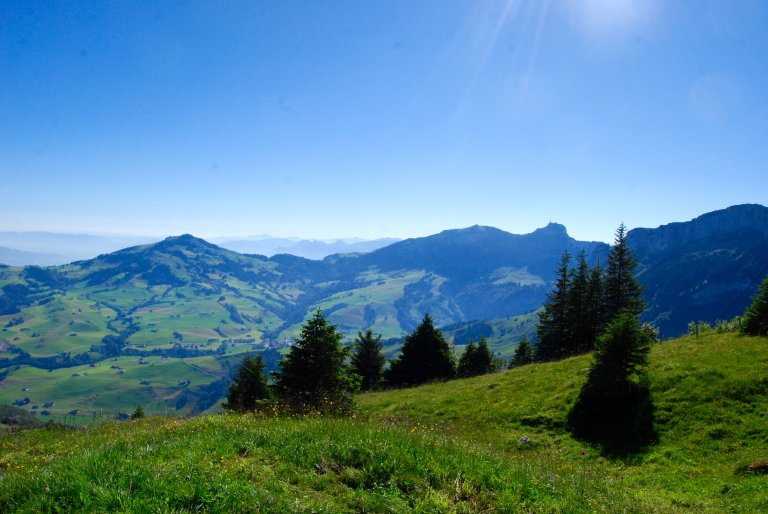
(618, 419)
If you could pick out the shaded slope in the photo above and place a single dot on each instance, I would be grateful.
(488, 273)
(704, 269)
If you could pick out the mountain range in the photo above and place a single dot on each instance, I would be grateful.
(185, 298)
(308, 248)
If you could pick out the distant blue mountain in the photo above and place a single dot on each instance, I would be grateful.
(51, 248)
(308, 248)
(13, 257)
(59, 248)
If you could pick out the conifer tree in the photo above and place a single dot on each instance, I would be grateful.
(485, 362)
(523, 353)
(577, 309)
(614, 407)
(622, 292)
(425, 356)
(368, 359)
(595, 315)
(138, 413)
(756, 317)
(313, 376)
(553, 330)
(466, 361)
(249, 386)
(476, 360)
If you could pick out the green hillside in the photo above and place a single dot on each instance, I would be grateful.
(184, 298)
(503, 334)
(450, 447)
(131, 327)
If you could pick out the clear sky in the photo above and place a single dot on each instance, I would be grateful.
(374, 118)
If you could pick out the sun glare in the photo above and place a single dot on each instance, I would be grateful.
(600, 18)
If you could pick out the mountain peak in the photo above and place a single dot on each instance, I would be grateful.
(186, 240)
(552, 229)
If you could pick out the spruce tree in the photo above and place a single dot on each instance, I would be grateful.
(484, 360)
(755, 321)
(313, 376)
(553, 330)
(368, 359)
(425, 356)
(523, 353)
(622, 292)
(577, 308)
(138, 413)
(476, 360)
(595, 314)
(249, 386)
(614, 407)
(466, 361)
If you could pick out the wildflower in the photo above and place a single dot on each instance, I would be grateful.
(524, 440)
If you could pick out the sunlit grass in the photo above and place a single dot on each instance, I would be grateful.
(489, 444)
(246, 463)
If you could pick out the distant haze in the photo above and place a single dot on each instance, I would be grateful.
(48, 248)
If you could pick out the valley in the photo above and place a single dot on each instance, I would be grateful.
(178, 314)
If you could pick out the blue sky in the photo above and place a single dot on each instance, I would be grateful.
(326, 119)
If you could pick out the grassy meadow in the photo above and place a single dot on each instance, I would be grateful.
(489, 444)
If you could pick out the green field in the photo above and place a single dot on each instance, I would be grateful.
(110, 386)
(446, 447)
(375, 291)
(184, 298)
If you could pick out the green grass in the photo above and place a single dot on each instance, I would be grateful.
(446, 447)
(247, 464)
(711, 397)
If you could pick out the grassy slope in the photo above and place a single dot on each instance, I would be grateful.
(445, 447)
(504, 337)
(711, 396)
(103, 391)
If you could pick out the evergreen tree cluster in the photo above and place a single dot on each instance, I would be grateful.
(477, 359)
(586, 299)
(314, 376)
(523, 353)
(424, 357)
